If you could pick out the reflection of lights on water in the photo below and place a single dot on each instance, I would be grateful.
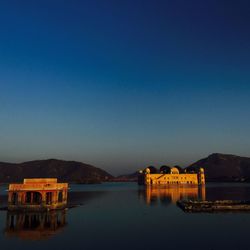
(172, 193)
(34, 225)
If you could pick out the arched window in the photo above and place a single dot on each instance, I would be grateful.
(14, 198)
(28, 197)
(34, 198)
(49, 198)
(60, 196)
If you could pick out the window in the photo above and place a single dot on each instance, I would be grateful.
(60, 196)
(14, 198)
(49, 198)
(34, 198)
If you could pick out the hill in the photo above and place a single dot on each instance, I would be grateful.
(127, 177)
(224, 167)
(69, 171)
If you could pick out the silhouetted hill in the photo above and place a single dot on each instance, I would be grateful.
(224, 167)
(70, 171)
(127, 177)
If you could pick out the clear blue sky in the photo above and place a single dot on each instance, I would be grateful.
(124, 84)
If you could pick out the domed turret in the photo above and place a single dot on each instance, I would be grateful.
(201, 176)
(201, 170)
(151, 170)
(174, 170)
(181, 170)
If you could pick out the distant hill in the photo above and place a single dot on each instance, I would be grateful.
(69, 171)
(224, 167)
(127, 177)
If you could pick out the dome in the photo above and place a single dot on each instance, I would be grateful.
(152, 170)
(201, 170)
(174, 170)
(181, 170)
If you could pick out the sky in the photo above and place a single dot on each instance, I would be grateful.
(124, 84)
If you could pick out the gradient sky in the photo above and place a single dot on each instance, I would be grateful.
(124, 84)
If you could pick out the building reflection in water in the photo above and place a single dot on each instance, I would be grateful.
(35, 225)
(166, 195)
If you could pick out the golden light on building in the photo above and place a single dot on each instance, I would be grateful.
(37, 194)
(173, 176)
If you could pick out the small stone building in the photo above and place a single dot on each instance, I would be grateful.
(37, 194)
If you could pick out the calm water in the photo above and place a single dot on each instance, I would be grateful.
(125, 216)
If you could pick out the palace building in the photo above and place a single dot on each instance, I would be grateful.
(37, 194)
(167, 175)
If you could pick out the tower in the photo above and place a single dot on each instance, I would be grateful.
(201, 176)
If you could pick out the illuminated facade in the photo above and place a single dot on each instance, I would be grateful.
(37, 194)
(174, 176)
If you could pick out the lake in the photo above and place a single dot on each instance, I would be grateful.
(128, 216)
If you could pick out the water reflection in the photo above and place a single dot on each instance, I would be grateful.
(35, 225)
(166, 195)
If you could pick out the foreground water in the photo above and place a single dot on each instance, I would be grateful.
(125, 216)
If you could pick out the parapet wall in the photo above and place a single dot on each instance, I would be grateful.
(40, 180)
(38, 186)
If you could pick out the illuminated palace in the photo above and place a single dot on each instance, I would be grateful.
(167, 175)
(37, 194)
